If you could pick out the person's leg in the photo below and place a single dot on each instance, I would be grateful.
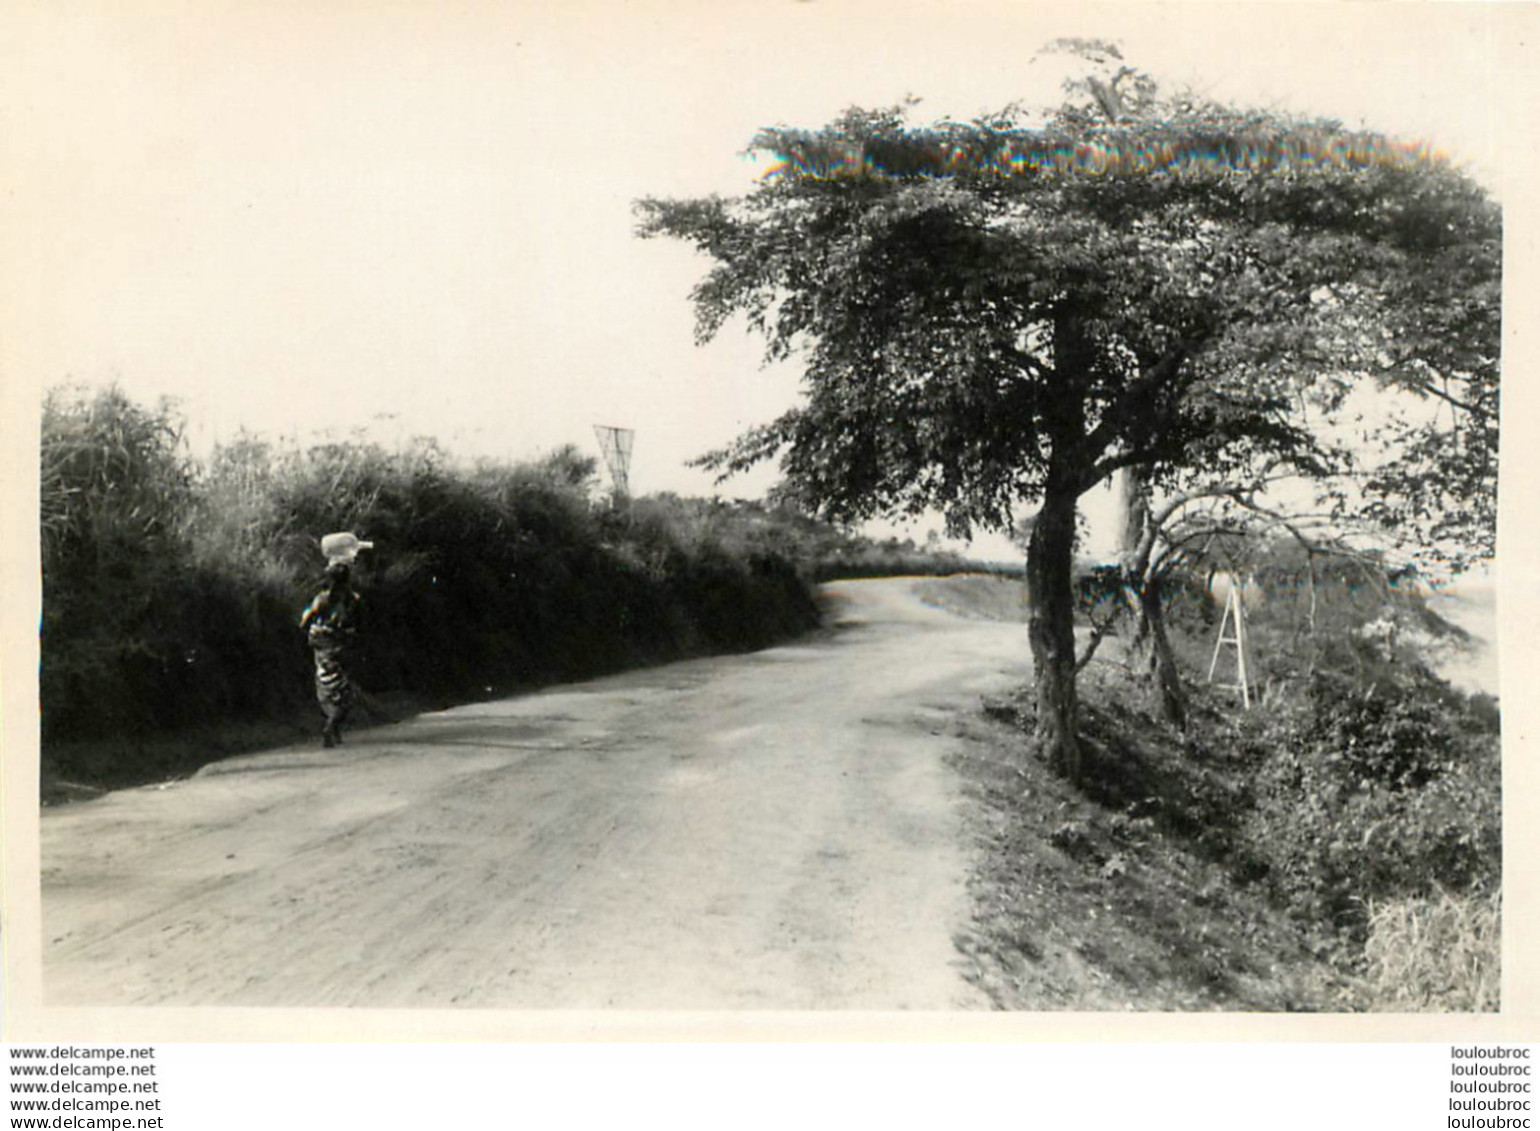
(344, 709)
(347, 695)
(331, 690)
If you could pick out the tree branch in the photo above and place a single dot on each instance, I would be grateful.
(1098, 634)
(1136, 395)
(1431, 389)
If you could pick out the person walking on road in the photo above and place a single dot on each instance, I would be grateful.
(331, 623)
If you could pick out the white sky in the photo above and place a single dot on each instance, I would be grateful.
(416, 217)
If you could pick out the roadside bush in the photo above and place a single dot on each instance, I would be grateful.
(115, 481)
(1375, 793)
(115, 492)
(1399, 735)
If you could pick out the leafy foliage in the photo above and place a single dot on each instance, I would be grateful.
(926, 274)
(1376, 793)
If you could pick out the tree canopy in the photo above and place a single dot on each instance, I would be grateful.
(1003, 312)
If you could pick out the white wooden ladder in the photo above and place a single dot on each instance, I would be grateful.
(1232, 631)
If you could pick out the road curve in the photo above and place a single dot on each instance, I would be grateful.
(770, 831)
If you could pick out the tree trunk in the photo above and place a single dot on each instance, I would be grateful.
(1162, 658)
(1050, 589)
(1150, 647)
(1133, 510)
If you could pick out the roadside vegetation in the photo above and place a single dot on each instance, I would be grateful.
(172, 585)
(1335, 847)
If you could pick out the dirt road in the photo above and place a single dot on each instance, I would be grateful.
(776, 830)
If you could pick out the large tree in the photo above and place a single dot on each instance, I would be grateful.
(1002, 313)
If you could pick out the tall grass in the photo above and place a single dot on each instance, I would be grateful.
(1435, 953)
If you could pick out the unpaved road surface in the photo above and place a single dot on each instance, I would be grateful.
(776, 830)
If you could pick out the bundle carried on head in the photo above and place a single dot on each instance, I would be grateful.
(342, 548)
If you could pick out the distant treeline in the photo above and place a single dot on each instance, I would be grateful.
(171, 586)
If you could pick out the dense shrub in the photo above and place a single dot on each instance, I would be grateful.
(1372, 792)
(115, 494)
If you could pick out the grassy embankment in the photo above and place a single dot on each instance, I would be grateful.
(172, 586)
(1335, 848)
